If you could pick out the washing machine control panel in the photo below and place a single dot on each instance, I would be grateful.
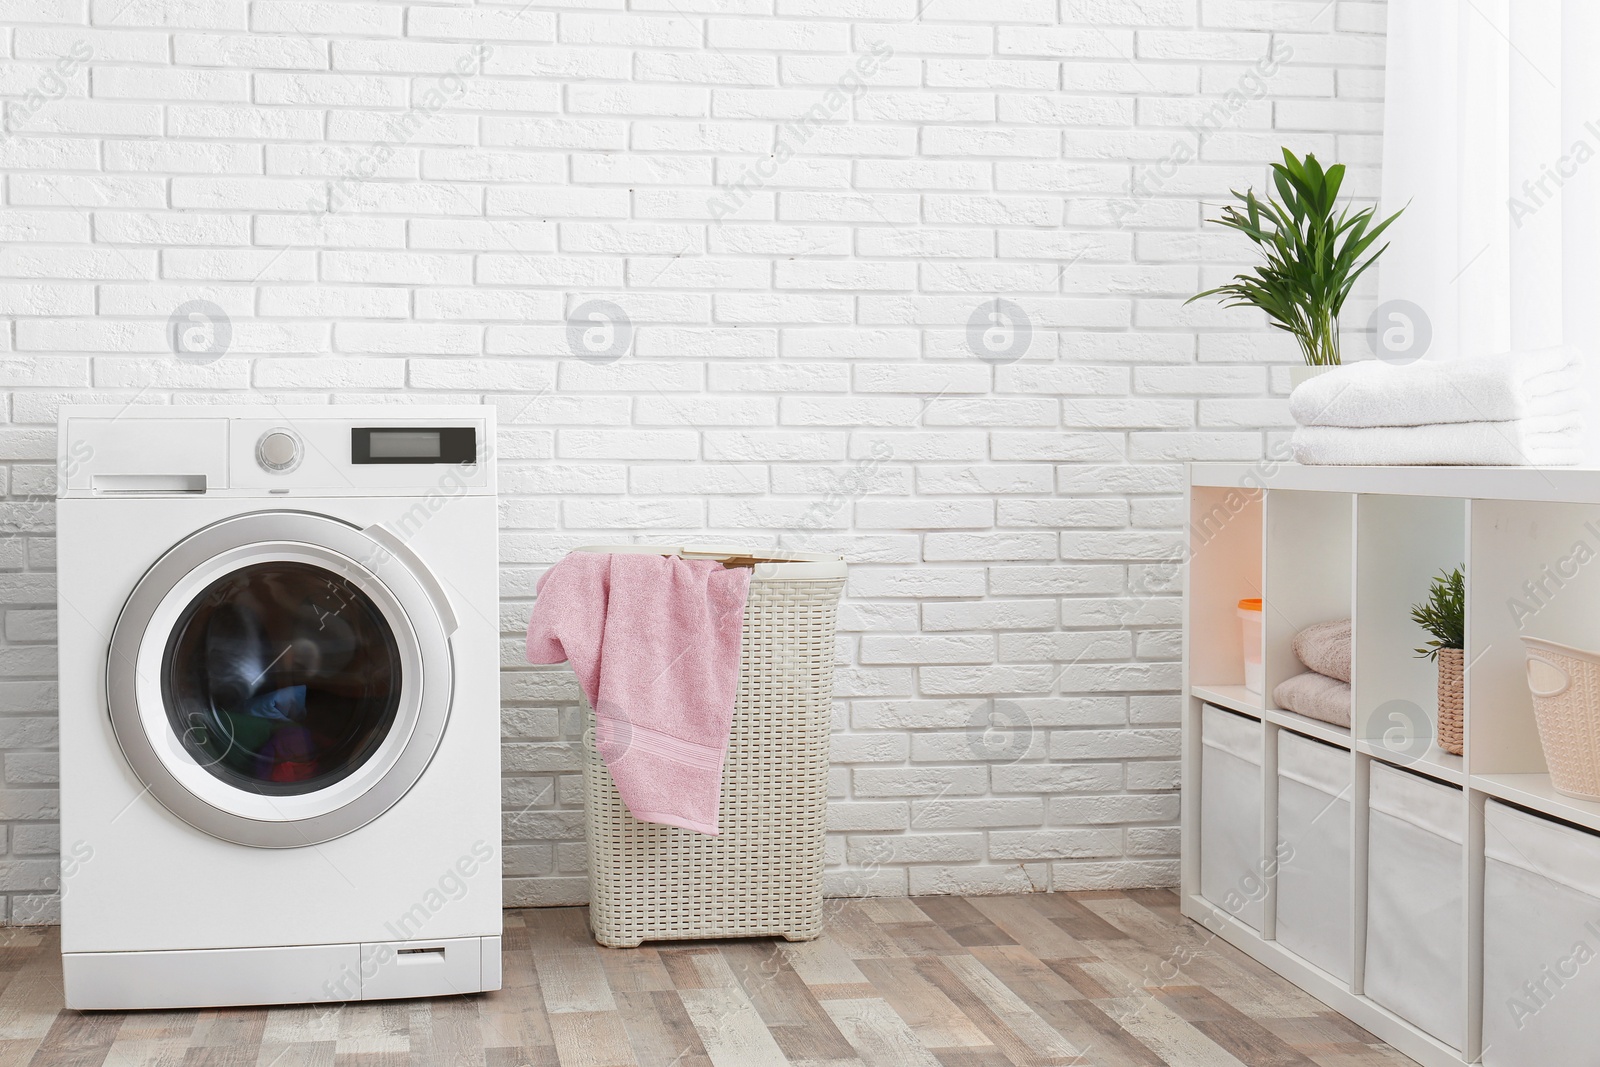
(281, 451)
(296, 453)
(380, 452)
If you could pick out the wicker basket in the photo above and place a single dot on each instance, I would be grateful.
(1566, 703)
(762, 876)
(1451, 698)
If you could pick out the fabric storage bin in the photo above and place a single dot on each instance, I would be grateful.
(762, 875)
(1416, 902)
(1314, 911)
(1541, 940)
(1230, 814)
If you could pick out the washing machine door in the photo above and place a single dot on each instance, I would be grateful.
(282, 678)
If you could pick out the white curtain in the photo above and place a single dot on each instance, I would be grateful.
(1492, 133)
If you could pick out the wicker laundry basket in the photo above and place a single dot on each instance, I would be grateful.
(1565, 683)
(762, 876)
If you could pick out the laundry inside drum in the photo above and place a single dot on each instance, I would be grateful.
(281, 678)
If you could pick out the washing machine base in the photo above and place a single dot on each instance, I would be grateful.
(300, 974)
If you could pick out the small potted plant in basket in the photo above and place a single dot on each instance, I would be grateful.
(1313, 252)
(1443, 615)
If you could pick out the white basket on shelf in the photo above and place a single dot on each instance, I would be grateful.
(762, 876)
(1565, 683)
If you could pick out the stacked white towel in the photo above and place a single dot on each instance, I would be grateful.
(1519, 409)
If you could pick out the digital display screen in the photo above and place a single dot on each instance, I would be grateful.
(413, 444)
(404, 444)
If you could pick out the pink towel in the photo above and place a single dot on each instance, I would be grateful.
(654, 641)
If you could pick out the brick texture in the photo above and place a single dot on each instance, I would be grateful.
(900, 279)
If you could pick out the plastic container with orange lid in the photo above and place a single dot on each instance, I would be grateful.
(1255, 673)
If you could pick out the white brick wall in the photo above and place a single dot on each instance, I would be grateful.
(396, 202)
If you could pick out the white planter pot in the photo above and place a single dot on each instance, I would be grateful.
(1305, 372)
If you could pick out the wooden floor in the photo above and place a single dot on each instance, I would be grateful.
(1116, 979)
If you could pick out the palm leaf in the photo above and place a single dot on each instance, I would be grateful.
(1312, 253)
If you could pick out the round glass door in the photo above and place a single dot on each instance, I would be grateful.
(281, 678)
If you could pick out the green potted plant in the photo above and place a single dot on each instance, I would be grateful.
(1443, 616)
(1312, 250)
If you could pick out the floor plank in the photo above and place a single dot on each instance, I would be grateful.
(1028, 924)
(1101, 979)
(1060, 1004)
(800, 1025)
(963, 922)
(938, 1023)
(592, 1039)
(661, 1031)
(731, 1029)
(1026, 1039)
(1241, 1035)
(879, 1037)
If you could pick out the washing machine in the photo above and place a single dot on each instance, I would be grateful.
(279, 704)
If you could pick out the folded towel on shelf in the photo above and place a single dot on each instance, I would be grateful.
(1316, 696)
(1506, 388)
(654, 641)
(1541, 441)
(1325, 648)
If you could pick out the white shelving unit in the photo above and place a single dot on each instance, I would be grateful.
(1321, 543)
